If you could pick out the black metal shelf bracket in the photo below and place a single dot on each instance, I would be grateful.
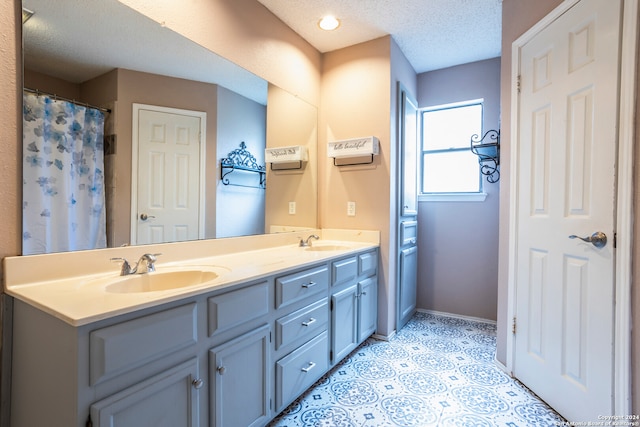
(299, 162)
(487, 149)
(354, 163)
(241, 159)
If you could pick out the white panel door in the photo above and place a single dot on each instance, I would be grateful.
(567, 168)
(168, 186)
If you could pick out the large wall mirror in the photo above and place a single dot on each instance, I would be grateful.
(103, 53)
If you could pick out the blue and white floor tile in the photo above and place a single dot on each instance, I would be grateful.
(437, 371)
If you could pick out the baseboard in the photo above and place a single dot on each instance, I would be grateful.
(458, 316)
(384, 337)
(502, 367)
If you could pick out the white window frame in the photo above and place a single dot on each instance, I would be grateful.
(478, 196)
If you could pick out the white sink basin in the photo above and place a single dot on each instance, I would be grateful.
(322, 247)
(163, 280)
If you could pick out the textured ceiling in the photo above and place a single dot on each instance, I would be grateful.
(433, 34)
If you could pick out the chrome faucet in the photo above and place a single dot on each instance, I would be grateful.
(304, 243)
(146, 264)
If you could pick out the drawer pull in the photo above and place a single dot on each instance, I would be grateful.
(197, 383)
(221, 370)
(309, 322)
(309, 285)
(308, 368)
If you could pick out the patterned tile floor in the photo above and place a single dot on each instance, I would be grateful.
(437, 371)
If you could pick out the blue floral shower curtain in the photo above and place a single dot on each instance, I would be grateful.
(63, 180)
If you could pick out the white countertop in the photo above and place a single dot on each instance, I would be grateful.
(79, 296)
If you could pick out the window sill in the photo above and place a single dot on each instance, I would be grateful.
(452, 197)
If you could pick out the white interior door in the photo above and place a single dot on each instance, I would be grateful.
(567, 136)
(167, 195)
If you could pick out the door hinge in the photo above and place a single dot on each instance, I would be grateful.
(518, 82)
(269, 336)
(513, 326)
(331, 355)
(615, 240)
(331, 305)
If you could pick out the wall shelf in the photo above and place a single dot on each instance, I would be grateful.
(286, 158)
(354, 149)
(487, 149)
(243, 161)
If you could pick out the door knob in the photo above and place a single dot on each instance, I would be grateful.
(597, 239)
(145, 217)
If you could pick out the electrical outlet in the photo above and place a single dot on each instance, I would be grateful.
(351, 208)
(292, 208)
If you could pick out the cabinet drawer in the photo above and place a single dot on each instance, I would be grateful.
(302, 324)
(299, 370)
(408, 233)
(298, 286)
(343, 271)
(234, 308)
(367, 263)
(128, 345)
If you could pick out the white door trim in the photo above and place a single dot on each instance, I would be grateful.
(624, 199)
(134, 163)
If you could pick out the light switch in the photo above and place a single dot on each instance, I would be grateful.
(351, 208)
(292, 208)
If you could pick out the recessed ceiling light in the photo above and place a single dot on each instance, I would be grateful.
(329, 23)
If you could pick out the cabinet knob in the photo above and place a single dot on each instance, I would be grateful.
(197, 383)
(221, 370)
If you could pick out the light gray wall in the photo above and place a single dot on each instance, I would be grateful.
(458, 241)
(239, 210)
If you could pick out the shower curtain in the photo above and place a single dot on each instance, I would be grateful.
(63, 180)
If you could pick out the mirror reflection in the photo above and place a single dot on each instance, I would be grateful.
(176, 110)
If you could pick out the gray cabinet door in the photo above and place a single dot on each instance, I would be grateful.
(407, 181)
(408, 283)
(408, 173)
(344, 322)
(240, 383)
(168, 399)
(367, 307)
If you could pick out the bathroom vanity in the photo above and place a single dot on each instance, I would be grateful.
(232, 347)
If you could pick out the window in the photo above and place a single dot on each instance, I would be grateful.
(448, 165)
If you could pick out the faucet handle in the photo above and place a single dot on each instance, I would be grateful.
(126, 267)
(149, 262)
